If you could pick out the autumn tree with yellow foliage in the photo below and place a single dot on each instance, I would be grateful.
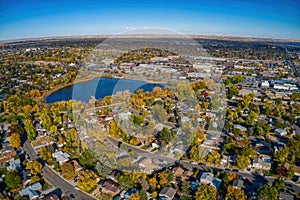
(235, 194)
(87, 180)
(15, 140)
(35, 167)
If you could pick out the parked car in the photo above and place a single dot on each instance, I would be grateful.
(72, 197)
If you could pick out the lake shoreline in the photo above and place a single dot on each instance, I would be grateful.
(42, 99)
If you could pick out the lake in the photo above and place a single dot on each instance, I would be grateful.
(99, 88)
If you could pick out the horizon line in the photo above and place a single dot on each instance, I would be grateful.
(213, 36)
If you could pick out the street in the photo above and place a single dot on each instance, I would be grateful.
(55, 179)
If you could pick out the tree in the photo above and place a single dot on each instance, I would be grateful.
(235, 194)
(152, 183)
(213, 157)
(165, 135)
(134, 196)
(105, 196)
(125, 181)
(206, 192)
(281, 154)
(35, 167)
(31, 133)
(237, 79)
(53, 129)
(45, 154)
(279, 184)
(199, 137)
(15, 140)
(114, 130)
(242, 161)
(12, 180)
(143, 194)
(134, 141)
(87, 180)
(137, 119)
(251, 118)
(21, 198)
(103, 169)
(194, 153)
(68, 171)
(247, 151)
(290, 172)
(87, 159)
(267, 192)
(186, 188)
(165, 178)
(46, 119)
(232, 91)
(159, 113)
(224, 183)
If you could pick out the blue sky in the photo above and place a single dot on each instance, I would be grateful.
(41, 18)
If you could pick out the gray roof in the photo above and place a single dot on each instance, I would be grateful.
(207, 176)
(261, 162)
(168, 192)
(285, 196)
(238, 183)
(29, 193)
(14, 165)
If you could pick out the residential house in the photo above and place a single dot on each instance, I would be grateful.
(209, 179)
(167, 193)
(238, 183)
(76, 165)
(6, 156)
(241, 128)
(26, 176)
(265, 84)
(156, 144)
(42, 141)
(181, 173)
(14, 165)
(280, 132)
(51, 197)
(225, 160)
(259, 163)
(262, 147)
(111, 187)
(130, 192)
(295, 168)
(113, 174)
(61, 157)
(285, 196)
(178, 171)
(149, 165)
(31, 191)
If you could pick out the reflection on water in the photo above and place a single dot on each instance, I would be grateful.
(99, 88)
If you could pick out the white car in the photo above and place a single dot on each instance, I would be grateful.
(76, 188)
(194, 163)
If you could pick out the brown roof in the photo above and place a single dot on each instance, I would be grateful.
(51, 197)
(295, 168)
(76, 165)
(111, 187)
(7, 156)
(178, 171)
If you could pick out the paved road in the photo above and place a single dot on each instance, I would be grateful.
(141, 152)
(66, 188)
(30, 151)
(256, 178)
(53, 178)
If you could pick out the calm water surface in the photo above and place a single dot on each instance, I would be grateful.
(99, 88)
